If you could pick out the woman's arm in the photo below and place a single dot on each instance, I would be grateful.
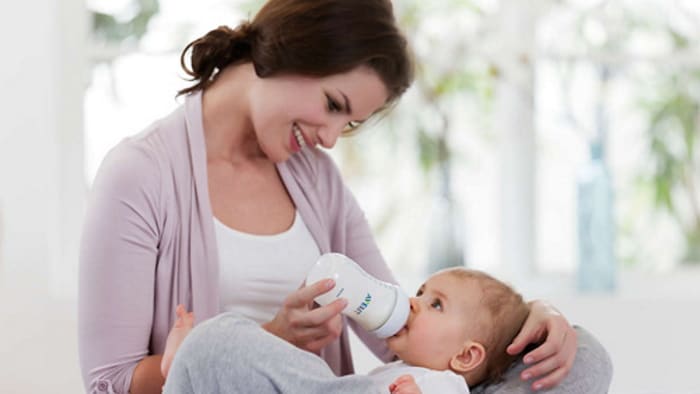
(590, 374)
(117, 271)
(147, 377)
(567, 359)
(552, 360)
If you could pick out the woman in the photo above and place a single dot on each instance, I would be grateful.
(225, 204)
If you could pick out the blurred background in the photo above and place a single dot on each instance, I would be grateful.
(553, 143)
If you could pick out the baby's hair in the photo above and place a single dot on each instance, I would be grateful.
(508, 312)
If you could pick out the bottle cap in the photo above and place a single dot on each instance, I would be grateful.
(398, 317)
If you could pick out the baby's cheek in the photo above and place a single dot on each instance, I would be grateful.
(390, 344)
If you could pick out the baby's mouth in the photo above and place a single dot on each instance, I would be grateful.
(402, 331)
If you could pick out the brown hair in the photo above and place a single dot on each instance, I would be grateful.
(507, 311)
(315, 38)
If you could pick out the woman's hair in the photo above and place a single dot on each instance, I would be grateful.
(507, 313)
(315, 38)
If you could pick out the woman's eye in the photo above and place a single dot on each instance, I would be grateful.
(332, 104)
(436, 304)
(351, 126)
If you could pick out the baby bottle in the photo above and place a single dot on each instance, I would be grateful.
(379, 307)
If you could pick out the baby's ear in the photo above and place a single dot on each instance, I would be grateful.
(469, 358)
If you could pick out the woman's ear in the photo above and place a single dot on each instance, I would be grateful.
(471, 356)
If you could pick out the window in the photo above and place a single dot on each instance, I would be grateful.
(594, 65)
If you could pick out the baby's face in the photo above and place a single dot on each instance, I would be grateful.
(444, 316)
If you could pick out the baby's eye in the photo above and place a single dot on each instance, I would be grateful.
(436, 304)
(333, 106)
(419, 293)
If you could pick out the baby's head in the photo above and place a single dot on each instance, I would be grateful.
(462, 320)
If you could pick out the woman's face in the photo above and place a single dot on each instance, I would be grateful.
(292, 111)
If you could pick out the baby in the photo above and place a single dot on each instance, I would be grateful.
(459, 326)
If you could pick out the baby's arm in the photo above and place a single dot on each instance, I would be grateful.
(182, 326)
(404, 384)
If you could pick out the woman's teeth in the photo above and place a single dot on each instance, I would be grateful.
(298, 136)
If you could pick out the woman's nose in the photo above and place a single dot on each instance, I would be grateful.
(328, 135)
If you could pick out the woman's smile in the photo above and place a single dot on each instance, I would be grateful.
(298, 139)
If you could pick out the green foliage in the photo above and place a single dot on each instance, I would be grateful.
(251, 6)
(674, 124)
(116, 29)
(670, 100)
(444, 71)
(428, 150)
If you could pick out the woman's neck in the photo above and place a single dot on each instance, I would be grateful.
(228, 130)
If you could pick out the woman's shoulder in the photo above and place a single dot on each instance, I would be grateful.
(134, 156)
(314, 166)
(128, 167)
(140, 160)
(152, 148)
(163, 138)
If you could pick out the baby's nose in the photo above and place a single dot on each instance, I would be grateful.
(414, 304)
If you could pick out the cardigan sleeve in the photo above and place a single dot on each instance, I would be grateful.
(118, 255)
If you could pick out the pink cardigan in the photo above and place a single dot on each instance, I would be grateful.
(148, 244)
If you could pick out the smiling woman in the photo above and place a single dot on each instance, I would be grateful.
(226, 203)
(303, 110)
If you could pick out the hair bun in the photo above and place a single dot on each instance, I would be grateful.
(218, 48)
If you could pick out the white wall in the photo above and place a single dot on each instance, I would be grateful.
(41, 175)
(42, 75)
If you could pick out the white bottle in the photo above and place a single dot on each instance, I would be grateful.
(379, 307)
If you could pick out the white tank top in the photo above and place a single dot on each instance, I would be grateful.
(257, 272)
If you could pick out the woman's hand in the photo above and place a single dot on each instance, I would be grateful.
(182, 326)
(404, 384)
(307, 328)
(553, 358)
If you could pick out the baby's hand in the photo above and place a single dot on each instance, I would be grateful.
(183, 325)
(404, 384)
